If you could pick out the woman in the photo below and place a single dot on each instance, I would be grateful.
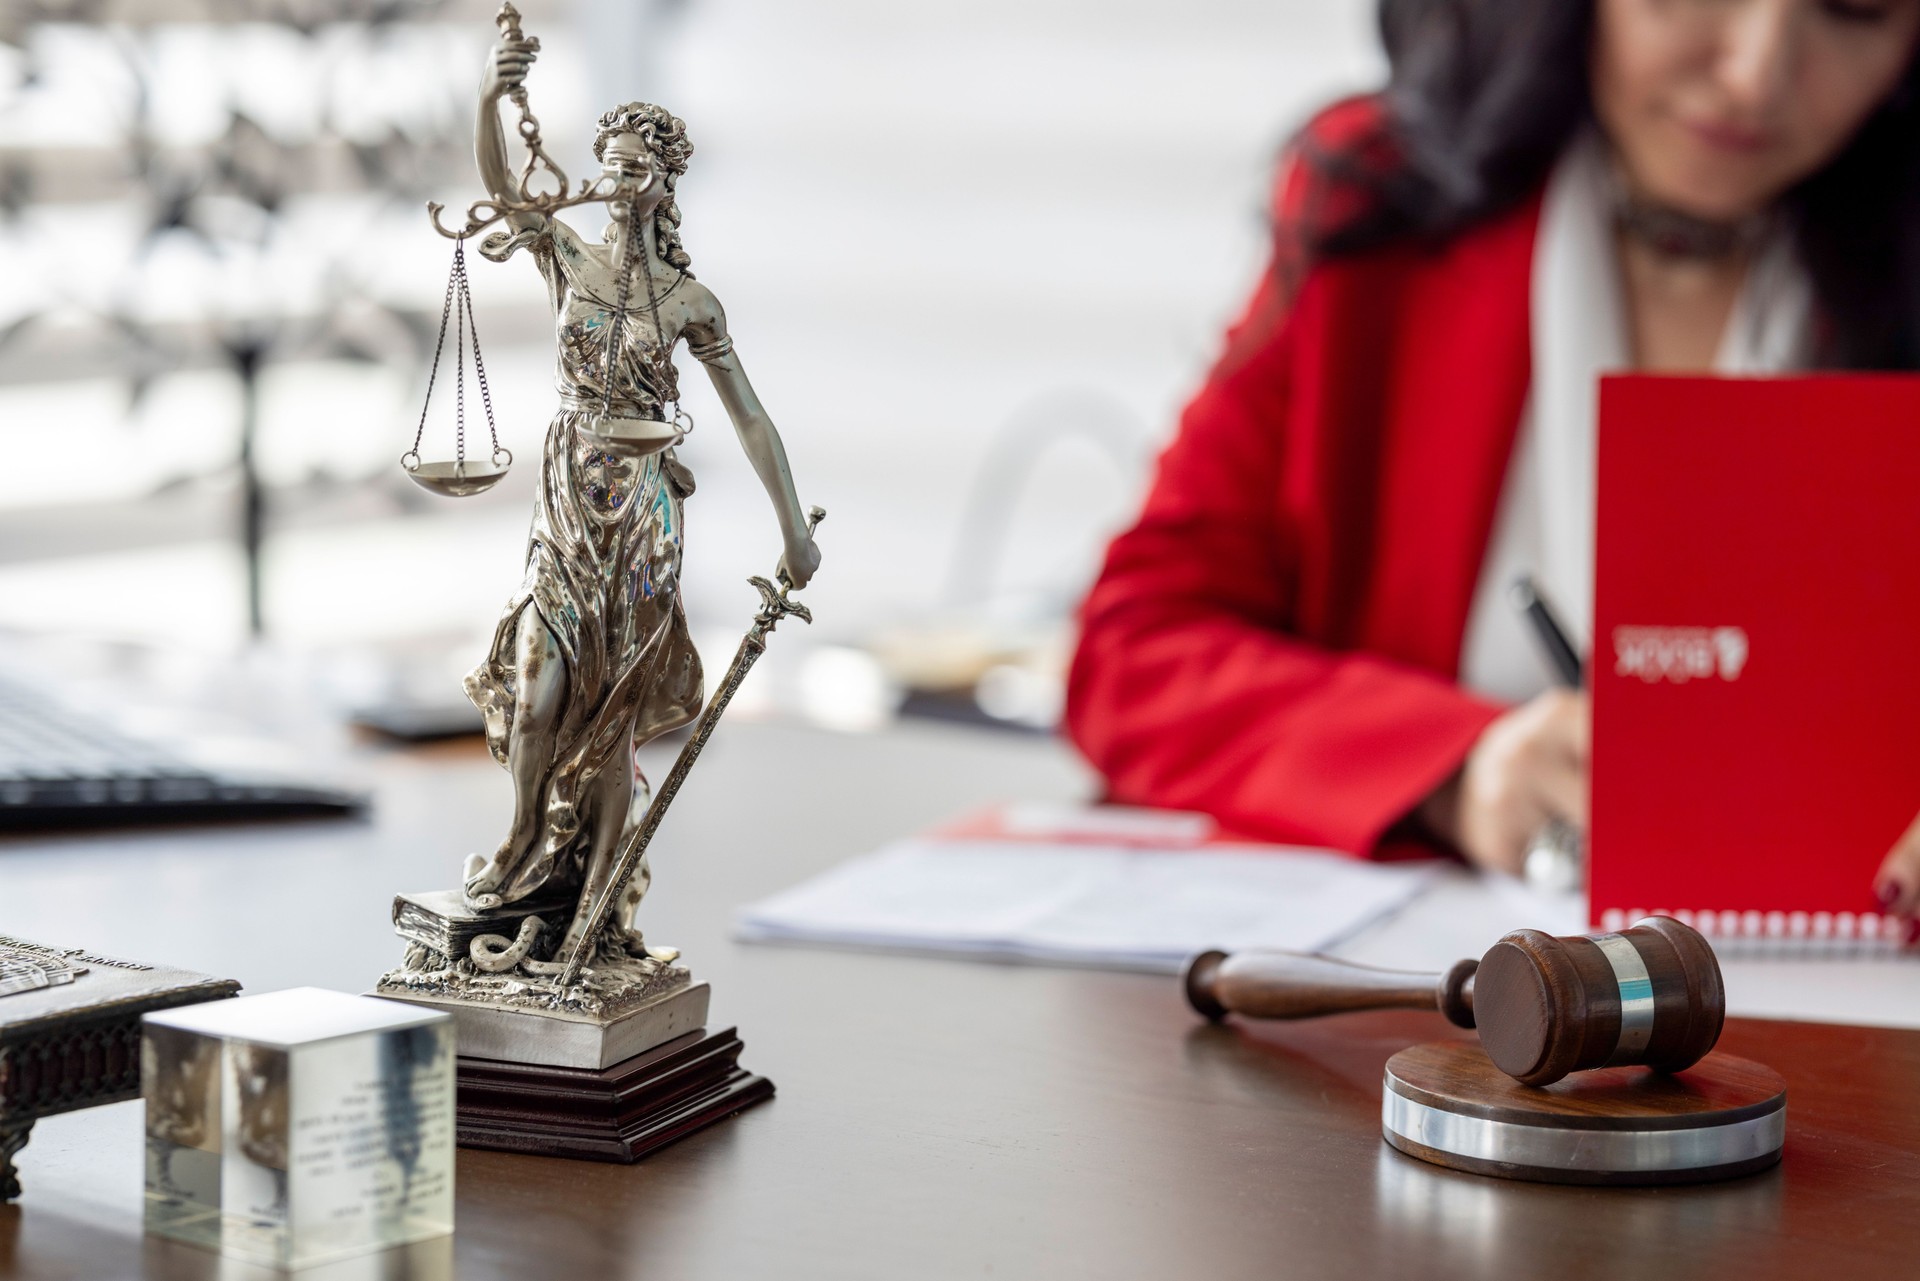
(592, 657)
(1304, 633)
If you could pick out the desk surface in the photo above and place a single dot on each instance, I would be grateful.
(935, 1118)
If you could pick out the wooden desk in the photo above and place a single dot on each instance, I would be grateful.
(935, 1119)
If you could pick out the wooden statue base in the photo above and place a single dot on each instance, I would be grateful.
(619, 1113)
(1446, 1103)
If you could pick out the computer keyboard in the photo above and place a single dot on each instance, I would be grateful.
(61, 768)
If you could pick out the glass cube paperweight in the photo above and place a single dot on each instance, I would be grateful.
(299, 1127)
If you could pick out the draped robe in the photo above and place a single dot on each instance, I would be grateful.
(603, 573)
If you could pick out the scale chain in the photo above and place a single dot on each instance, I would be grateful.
(460, 365)
(433, 372)
(660, 355)
(457, 308)
(479, 365)
(657, 353)
(619, 316)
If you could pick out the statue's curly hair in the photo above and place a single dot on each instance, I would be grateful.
(666, 136)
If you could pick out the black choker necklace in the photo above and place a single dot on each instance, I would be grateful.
(1673, 234)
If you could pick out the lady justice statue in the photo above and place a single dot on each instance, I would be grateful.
(592, 658)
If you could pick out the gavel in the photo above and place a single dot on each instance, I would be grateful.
(1544, 1006)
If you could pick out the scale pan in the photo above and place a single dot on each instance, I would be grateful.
(457, 479)
(632, 435)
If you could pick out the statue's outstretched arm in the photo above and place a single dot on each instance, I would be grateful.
(507, 64)
(708, 340)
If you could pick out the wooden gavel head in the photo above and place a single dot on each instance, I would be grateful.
(1545, 1006)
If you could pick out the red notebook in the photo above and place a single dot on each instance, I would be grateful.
(1756, 661)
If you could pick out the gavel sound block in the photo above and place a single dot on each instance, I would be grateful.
(1625, 1011)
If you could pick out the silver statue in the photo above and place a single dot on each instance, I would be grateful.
(592, 658)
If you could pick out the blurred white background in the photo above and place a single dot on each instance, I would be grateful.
(974, 257)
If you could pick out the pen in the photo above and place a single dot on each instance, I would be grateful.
(1553, 638)
(1556, 856)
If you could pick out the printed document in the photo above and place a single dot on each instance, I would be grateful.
(1111, 904)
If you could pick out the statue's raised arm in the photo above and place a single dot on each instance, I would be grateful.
(505, 74)
(525, 199)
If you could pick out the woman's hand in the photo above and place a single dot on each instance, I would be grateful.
(1526, 769)
(507, 68)
(804, 558)
(1898, 883)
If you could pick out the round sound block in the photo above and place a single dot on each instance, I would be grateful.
(1447, 1103)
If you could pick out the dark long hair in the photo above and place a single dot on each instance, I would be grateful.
(1483, 96)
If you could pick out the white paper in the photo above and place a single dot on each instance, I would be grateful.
(1460, 914)
(1085, 904)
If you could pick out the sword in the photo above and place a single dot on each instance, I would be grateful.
(775, 604)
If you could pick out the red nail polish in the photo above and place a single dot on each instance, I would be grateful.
(1889, 894)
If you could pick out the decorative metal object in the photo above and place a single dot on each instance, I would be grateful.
(70, 1033)
(29, 968)
(591, 657)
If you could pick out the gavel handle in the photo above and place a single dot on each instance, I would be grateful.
(1297, 985)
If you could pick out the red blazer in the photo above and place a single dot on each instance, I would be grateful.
(1276, 640)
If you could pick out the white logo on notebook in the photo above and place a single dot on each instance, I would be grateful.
(1679, 654)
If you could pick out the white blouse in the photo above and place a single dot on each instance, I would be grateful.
(1544, 526)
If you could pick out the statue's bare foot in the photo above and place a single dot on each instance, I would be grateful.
(483, 902)
(637, 947)
(478, 891)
